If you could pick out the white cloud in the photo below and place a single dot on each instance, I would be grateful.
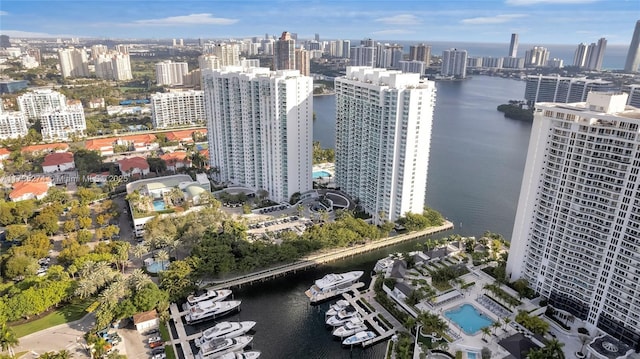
(3, 13)
(404, 19)
(498, 19)
(546, 2)
(192, 19)
(392, 32)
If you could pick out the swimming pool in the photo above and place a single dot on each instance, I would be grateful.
(318, 174)
(471, 355)
(158, 205)
(468, 318)
(156, 267)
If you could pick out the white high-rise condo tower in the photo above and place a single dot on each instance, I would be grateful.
(383, 137)
(454, 63)
(260, 128)
(576, 236)
(633, 56)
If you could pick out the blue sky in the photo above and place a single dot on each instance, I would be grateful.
(536, 21)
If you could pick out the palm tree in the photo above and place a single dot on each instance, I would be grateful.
(554, 349)
(506, 321)
(72, 270)
(485, 331)
(8, 339)
(495, 326)
(85, 288)
(139, 250)
(138, 279)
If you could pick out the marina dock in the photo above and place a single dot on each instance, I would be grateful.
(314, 260)
(183, 340)
(374, 315)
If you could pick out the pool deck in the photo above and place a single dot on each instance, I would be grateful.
(473, 343)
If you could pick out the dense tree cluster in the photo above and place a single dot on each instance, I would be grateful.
(535, 324)
(515, 111)
(322, 155)
(420, 221)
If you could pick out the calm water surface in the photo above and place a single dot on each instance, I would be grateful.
(475, 170)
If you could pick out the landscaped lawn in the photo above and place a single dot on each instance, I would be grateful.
(68, 313)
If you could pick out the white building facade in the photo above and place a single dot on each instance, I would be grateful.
(454, 63)
(34, 103)
(171, 73)
(576, 236)
(63, 124)
(73, 62)
(13, 124)
(174, 109)
(260, 128)
(383, 138)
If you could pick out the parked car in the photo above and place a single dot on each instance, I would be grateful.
(156, 344)
(153, 331)
(155, 339)
(158, 350)
(160, 356)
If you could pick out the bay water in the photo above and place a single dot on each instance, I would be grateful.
(475, 171)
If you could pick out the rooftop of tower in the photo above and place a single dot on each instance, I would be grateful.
(385, 78)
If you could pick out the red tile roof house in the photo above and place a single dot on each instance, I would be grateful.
(134, 166)
(47, 148)
(185, 136)
(146, 320)
(35, 189)
(58, 162)
(139, 142)
(175, 160)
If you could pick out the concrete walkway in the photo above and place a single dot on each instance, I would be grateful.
(68, 336)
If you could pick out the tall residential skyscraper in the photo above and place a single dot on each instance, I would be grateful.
(593, 56)
(121, 65)
(228, 54)
(303, 62)
(577, 227)
(284, 53)
(260, 128)
(73, 62)
(513, 46)
(454, 63)
(536, 57)
(383, 137)
(420, 52)
(171, 109)
(35, 102)
(633, 56)
(171, 73)
(580, 55)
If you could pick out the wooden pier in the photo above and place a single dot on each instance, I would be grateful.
(314, 260)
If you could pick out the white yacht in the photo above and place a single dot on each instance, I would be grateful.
(209, 309)
(216, 348)
(208, 294)
(337, 307)
(338, 320)
(254, 354)
(225, 330)
(354, 325)
(359, 337)
(334, 283)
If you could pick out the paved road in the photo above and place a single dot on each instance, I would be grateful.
(69, 336)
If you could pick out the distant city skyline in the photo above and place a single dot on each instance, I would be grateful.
(489, 21)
